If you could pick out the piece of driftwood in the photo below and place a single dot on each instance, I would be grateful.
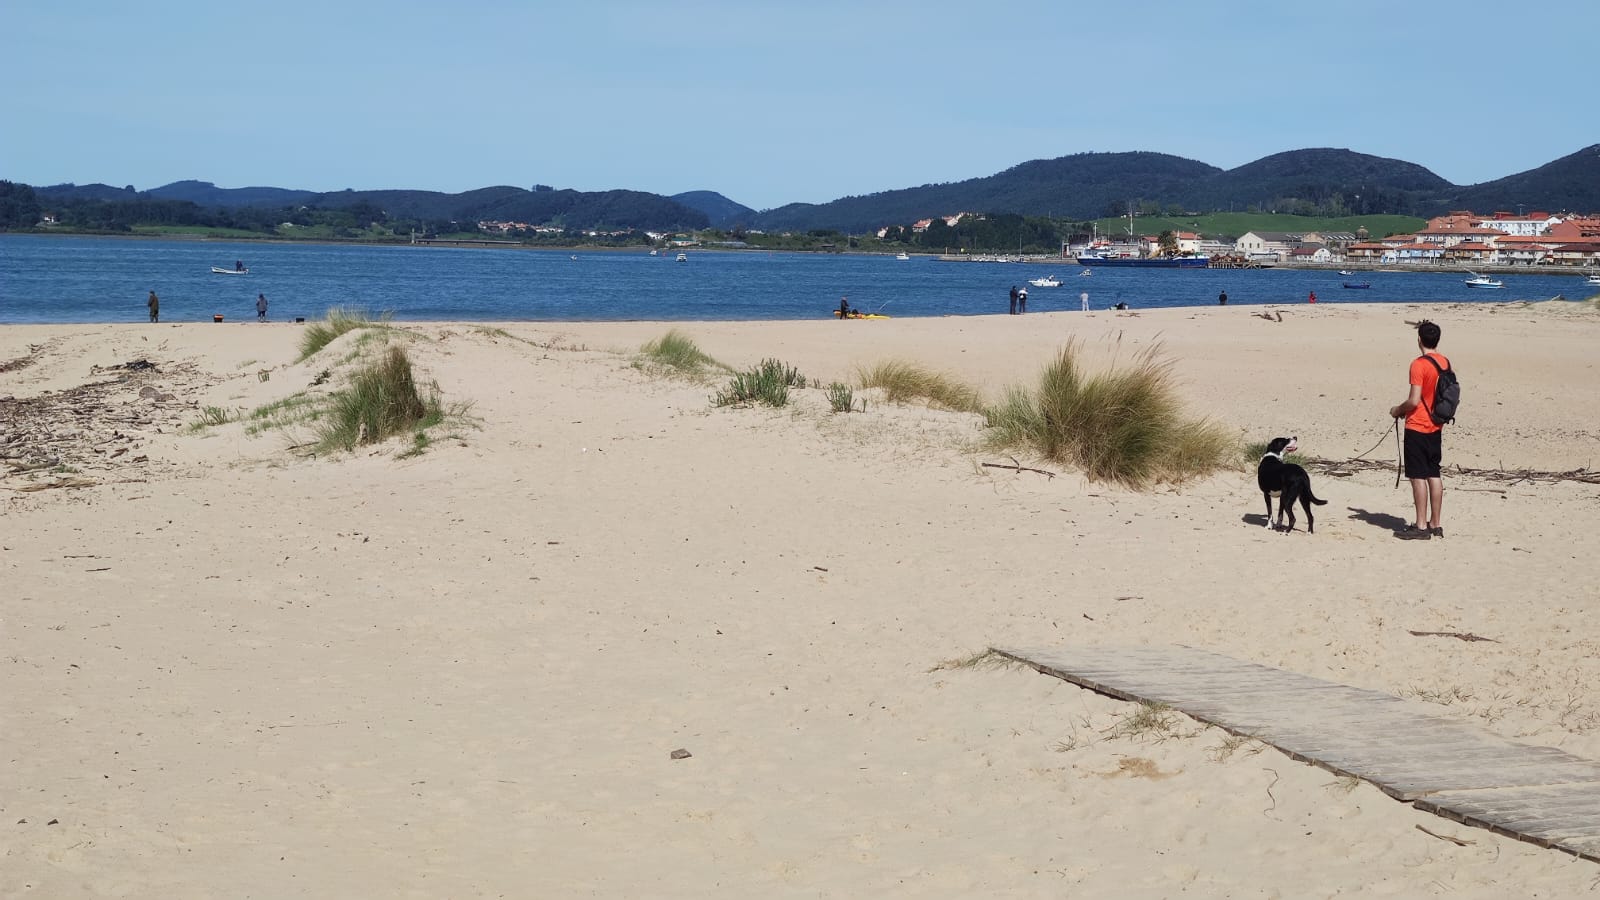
(1018, 467)
(1445, 837)
(62, 483)
(1468, 636)
(1512, 477)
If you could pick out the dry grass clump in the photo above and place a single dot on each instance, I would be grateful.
(1124, 425)
(903, 382)
(676, 352)
(382, 400)
(338, 321)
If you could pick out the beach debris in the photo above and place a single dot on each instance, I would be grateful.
(1018, 467)
(1445, 837)
(1467, 636)
(681, 753)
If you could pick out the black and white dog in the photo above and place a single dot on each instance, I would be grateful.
(1286, 481)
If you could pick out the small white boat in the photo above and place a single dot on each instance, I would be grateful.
(1593, 281)
(1046, 281)
(683, 257)
(218, 270)
(654, 253)
(1086, 273)
(1346, 272)
(574, 257)
(1484, 281)
(903, 256)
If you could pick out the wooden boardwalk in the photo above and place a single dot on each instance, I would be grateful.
(1450, 768)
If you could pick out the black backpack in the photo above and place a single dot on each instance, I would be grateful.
(1446, 395)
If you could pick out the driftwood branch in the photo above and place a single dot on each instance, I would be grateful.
(1018, 467)
(1445, 837)
(1469, 636)
(1511, 477)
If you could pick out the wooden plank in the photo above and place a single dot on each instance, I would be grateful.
(1452, 769)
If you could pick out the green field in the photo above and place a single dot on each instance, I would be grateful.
(197, 231)
(1233, 225)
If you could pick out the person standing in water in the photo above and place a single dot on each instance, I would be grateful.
(261, 307)
(155, 307)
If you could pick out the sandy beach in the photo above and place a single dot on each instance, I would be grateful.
(236, 669)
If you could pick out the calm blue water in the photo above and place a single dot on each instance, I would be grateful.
(75, 279)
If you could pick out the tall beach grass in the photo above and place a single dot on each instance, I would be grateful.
(903, 382)
(1123, 425)
(382, 400)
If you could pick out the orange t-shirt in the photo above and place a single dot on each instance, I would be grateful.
(1424, 375)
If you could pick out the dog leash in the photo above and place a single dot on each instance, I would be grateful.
(1398, 456)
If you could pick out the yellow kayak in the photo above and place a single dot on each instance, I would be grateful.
(861, 315)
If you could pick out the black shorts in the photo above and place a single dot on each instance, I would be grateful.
(1423, 453)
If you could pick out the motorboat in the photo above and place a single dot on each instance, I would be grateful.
(654, 253)
(1346, 272)
(1357, 285)
(1593, 281)
(218, 270)
(683, 257)
(1086, 273)
(1484, 281)
(1046, 281)
(902, 256)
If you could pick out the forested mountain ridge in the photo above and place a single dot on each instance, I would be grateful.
(722, 212)
(1316, 181)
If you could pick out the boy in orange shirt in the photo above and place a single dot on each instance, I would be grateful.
(1424, 440)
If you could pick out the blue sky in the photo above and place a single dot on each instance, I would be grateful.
(770, 103)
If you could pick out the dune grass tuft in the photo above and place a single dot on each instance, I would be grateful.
(338, 321)
(767, 384)
(841, 398)
(1124, 425)
(903, 382)
(382, 400)
(676, 352)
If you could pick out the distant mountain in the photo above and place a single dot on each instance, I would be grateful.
(1081, 186)
(567, 208)
(70, 191)
(722, 212)
(1317, 175)
(1091, 185)
(204, 193)
(1569, 183)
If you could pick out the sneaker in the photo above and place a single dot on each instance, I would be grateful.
(1439, 532)
(1413, 533)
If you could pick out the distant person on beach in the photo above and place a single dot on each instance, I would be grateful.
(1022, 301)
(1013, 299)
(155, 307)
(261, 307)
(1120, 305)
(1083, 299)
(1222, 299)
(1312, 298)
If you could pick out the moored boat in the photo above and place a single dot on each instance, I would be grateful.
(218, 270)
(902, 255)
(1357, 285)
(1484, 281)
(683, 257)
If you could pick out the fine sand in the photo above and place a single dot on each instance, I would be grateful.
(230, 668)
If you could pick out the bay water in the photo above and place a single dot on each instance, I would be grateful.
(58, 279)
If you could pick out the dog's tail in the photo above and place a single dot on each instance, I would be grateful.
(1313, 497)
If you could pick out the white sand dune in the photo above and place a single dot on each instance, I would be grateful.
(235, 670)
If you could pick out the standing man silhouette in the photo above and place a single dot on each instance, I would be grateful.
(155, 307)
